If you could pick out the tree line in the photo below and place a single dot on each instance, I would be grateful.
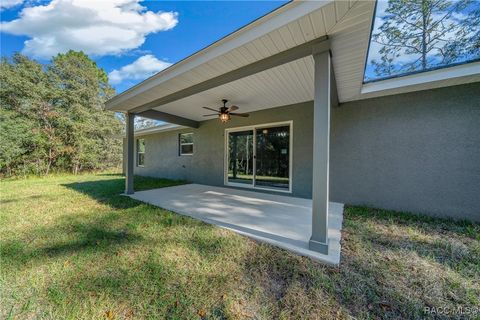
(53, 118)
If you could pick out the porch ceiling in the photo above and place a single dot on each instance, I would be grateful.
(346, 23)
(283, 85)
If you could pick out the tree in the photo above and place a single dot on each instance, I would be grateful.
(53, 116)
(27, 112)
(421, 34)
(467, 40)
(16, 139)
(140, 122)
(144, 123)
(81, 90)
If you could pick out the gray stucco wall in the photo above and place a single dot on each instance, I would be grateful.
(207, 163)
(417, 152)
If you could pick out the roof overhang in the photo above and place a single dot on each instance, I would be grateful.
(190, 69)
(157, 129)
(454, 75)
(269, 63)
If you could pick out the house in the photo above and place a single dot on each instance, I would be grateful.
(315, 129)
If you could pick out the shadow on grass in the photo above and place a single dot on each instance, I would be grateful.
(127, 251)
(21, 199)
(151, 258)
(95, 235)
(109, 191)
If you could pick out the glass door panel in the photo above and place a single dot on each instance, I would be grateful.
(273, 157)
(240, 157)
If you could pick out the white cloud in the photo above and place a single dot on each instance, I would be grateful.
(140, 69)
(6, 4)
(96, 27)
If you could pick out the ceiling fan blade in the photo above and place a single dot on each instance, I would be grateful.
(232, 108)
(240, 114)
(209, 115)
(210, 109)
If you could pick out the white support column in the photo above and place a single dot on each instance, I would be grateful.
(321, 148)
(129, 120)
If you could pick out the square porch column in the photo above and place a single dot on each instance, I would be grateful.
(321, 147)
(130, 141)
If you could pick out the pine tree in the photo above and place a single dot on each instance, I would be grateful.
(421, 34)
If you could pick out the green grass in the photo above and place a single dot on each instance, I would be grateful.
(73, 248)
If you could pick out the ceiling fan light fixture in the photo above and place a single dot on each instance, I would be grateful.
(224, 117)
(225, 113)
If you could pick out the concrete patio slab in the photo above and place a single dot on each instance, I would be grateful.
(275, 219)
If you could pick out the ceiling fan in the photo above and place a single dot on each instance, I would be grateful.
(224, 113)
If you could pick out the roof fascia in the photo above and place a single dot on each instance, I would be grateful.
(437, 78)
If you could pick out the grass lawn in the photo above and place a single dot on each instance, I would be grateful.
(73, 248)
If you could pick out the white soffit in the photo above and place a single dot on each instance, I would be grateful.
(286, 84)
(289, 26)
(349, 45)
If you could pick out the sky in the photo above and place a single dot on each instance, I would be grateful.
(130, 39)
(134, 39)
(404, 58)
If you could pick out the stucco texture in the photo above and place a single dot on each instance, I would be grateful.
(206, 165)
(417, 152)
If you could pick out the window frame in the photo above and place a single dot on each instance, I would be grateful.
(254, 127)
(138, 152)
(180, 144)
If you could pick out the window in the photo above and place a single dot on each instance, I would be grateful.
(260, 156)
(140, 152)
(186, 144)
(416, 36)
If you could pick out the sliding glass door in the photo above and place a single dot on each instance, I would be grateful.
(240, 157)
(259, 157)
(273, 157)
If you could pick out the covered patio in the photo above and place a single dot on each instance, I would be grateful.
(303, 52)
(279, 220)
